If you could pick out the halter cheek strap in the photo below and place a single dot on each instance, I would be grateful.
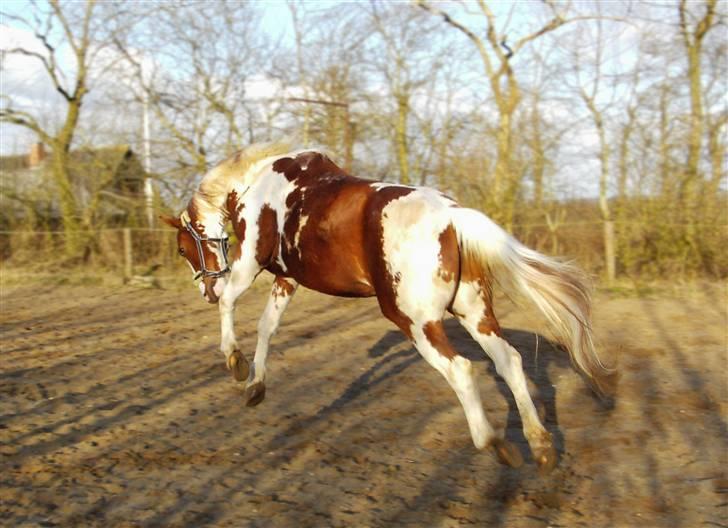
(223, 241)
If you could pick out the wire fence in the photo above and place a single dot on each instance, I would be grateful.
(123, 251)
(643, 248)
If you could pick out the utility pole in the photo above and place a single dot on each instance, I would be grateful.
(148, 188)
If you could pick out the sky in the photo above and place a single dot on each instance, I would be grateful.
(23, 76)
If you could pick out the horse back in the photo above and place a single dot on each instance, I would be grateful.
(336, 226)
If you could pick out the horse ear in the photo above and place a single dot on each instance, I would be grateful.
(171, 220)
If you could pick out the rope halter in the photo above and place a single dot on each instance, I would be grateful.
(224, 245)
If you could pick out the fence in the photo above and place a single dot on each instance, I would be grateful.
(644, 249)
(123, 251)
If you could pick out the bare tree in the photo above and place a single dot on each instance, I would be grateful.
(193, 64)
(405, 62)
(590, 87)
(325, 83)
(496, 54)
(57, 27)
(693, 36)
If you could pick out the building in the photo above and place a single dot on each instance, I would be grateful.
(108, 184)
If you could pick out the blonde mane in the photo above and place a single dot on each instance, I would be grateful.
(216, 184)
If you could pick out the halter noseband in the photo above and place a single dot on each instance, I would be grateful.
(223, 241)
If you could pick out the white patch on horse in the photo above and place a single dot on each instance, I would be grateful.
(470, 306)
(469, 301)
(296, 239)
(267, 327)
(458, 372)
(411, 227)
(383, 185)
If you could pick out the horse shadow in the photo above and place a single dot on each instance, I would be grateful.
(542, 360)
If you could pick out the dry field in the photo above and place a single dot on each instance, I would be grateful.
(116, 410)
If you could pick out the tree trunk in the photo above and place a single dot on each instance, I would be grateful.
(401, 139)
(609, 239)
(67, 200)
(693, 41)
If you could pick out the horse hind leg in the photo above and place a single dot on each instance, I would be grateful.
(432, 343)
(473, 308)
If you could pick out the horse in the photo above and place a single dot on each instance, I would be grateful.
(299, 216)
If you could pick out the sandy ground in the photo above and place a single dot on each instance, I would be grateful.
(116, 410)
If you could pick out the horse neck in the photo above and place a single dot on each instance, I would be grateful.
(233, 210)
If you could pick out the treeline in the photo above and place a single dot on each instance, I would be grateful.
(547, 116)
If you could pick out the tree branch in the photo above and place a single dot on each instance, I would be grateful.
(48, 64)
(467, 32)
(24, 119)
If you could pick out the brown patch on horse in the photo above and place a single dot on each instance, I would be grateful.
(435, 334)
(266, 248)
(322, 235)
(472, 271)
(187, 248)
(282, 165)
(235, 209)
(234, 206)
(309, 168)
(193, 209)
(449, 255)
(488, 324)
(282, 288)
(209, 283)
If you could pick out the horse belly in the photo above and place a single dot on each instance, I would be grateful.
(333, 273)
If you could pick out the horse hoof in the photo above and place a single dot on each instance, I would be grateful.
(254, 394)
(507, 453)
(238, 365)
(546, 459)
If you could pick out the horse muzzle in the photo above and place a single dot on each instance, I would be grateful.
(209, 290)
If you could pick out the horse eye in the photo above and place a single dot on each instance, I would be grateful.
(181, 251)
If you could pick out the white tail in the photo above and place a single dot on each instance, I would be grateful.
(559, 289)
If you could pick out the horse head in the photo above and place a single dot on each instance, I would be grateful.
(205, 248)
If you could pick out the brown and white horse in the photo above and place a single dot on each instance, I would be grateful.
(299, 216)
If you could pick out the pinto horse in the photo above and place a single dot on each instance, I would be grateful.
(299, 216)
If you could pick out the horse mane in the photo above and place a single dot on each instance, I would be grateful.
(215, 185)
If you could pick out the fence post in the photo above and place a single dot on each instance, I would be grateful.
(128, 262)
(609, 252)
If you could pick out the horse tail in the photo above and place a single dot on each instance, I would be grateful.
(559, 289)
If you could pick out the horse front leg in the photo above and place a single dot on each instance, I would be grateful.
(280, 295)
(240, 280)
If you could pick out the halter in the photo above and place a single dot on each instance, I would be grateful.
(204, 272)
